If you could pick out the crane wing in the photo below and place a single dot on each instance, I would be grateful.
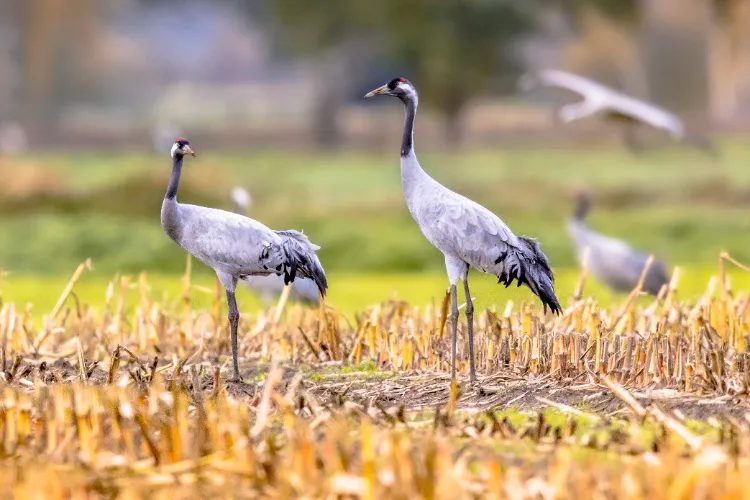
(647, 113)
(229, 242)
(461, 227)
(607, 98)
(578, 84)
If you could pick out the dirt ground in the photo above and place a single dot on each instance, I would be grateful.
(422, 392)
(332, 384)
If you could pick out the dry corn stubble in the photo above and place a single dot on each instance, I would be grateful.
(132, 403)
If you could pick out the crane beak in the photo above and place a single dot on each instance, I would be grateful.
(188, 151)
(378, 91)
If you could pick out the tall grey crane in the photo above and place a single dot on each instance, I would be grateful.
(235, 246)
(468, 234)
(610, 260)
(303, 289)
(613, 106)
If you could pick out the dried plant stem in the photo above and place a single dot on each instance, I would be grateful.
(69, 288)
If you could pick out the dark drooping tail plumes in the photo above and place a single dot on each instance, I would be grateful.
(300, 258)
(529, 266)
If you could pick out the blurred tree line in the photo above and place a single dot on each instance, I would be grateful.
(458, 46)
(456, 49)
(453, 49)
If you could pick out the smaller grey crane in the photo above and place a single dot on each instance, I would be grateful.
(615, 107)
(235, 246)
(303, 289)
(610, 260)
(465, 232)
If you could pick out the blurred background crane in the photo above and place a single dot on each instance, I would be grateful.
(611, 260)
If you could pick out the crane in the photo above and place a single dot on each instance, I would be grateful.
(466, 233)
(615, 107)
(610, 260)
(235, 246)
(303, 289)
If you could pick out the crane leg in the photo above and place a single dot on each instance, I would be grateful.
(234, 319)
(470, 326)
(454, 326)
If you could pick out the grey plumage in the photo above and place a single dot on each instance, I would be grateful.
(467, 234)
(614, 106)
(235, 246)
(612, 261)
(269, 287)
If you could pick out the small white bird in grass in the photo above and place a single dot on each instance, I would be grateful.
(613, 106)
(235, 246)
(268, 287)
(468, 234)
(242, 199)
(610, 260)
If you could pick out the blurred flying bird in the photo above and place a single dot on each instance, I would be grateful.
(610, 260)
(235, 246)
(614, 106)
(468, 234)
(268, 287)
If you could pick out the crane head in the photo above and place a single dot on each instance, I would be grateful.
(181, 147)
(398, 87)
(583, 203)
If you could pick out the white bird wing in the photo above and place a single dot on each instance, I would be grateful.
(608, 98)
(578, 84)
(229, 242)
(647, 113)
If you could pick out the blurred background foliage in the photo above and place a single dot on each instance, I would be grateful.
(92, 92)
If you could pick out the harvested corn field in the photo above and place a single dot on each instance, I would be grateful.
(131, 402)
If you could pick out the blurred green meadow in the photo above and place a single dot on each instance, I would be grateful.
(58, 209)
(350, 293)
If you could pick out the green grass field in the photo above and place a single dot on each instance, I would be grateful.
(348, 292)
(58, 209)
